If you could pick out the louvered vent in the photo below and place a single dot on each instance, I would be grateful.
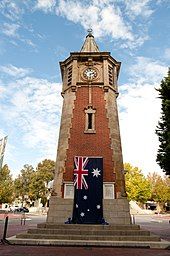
(110, 70)
(69, 75)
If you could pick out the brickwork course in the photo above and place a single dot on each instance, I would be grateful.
(97, 144)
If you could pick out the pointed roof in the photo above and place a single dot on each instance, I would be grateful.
(89, 44)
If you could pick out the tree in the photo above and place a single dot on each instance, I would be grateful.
(44, 173)
(163, 128)
(137, 186)
(32, 184)
(23, 182)
(6, 185)
(160, 188)
(46, 168)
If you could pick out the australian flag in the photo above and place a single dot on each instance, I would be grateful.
(88, 195)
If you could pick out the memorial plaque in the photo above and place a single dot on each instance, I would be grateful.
(108, 191)
(69, 191)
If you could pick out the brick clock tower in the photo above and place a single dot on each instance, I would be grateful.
(89, 127)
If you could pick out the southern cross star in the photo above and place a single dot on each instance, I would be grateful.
(85, 197)
(98, 206)
(82, 214)
(96, 172)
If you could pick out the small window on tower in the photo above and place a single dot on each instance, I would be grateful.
(90, 120)
(90, 116)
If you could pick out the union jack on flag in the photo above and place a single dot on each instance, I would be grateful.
(80, 172)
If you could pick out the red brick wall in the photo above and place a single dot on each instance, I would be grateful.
(81, 144)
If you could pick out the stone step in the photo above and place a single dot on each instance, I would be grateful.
(87, 237)
(141, 244)
(88, 227)
(103, 232)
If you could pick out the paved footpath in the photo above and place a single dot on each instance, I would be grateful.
(15, 250)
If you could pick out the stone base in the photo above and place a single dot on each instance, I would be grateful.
(115, 211)
(54, 232)
(88, 235)
(60, 210)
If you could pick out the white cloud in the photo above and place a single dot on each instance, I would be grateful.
(138, 8)
(14, 71)
(29, 42)
(104, 21)
(120, 30)
(2, 134)
(14, 11)
(140, 111)
(10, 29)
(160, 2)
(45, 5)
(138, 124)
(167, 54)
(107, 18)
(32, 109)
(10, 9)
(110, 18)
(147, 70)
(2, 90)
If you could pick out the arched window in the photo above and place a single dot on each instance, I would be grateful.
(90, 120)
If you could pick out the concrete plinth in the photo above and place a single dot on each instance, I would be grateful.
(60, 210)
(115, 211)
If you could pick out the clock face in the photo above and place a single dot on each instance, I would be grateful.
(90, 73)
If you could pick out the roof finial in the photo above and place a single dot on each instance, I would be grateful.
(90, 44)
(90, 32)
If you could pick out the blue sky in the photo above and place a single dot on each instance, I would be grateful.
(36, 34)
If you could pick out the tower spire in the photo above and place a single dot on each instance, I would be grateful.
(89, 43)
